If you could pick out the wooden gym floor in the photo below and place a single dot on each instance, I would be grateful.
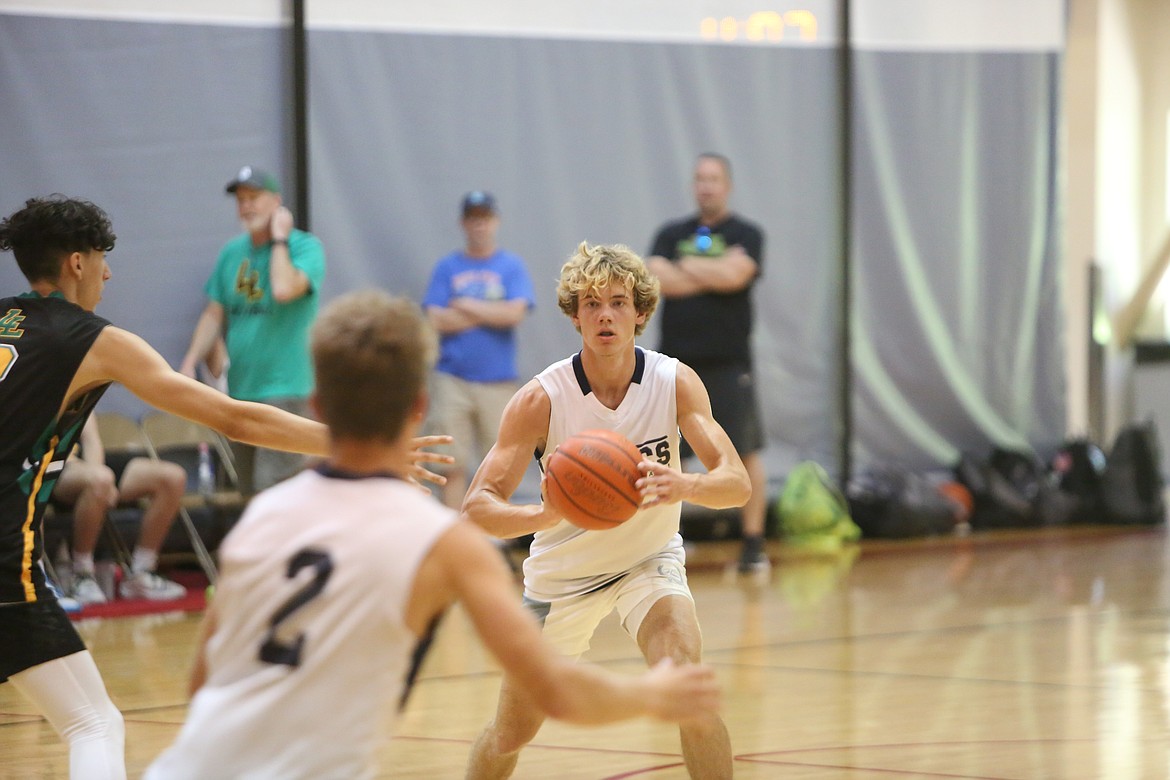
(1041, 654)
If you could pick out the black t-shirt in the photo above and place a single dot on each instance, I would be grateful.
(42, 344)
(709, 328)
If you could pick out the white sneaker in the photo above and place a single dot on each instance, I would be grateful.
(86, 590)
(150, 586)
(68, 603)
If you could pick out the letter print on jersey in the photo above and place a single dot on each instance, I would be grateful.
(10, 324)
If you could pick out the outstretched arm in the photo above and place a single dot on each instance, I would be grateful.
(523, 430)
(120, 356)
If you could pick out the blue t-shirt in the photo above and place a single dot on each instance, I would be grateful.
(479, 354)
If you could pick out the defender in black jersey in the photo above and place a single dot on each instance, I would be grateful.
(56, 359)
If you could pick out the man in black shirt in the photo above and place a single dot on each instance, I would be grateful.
(707, 264)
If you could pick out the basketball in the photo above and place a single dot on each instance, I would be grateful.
(590, 479)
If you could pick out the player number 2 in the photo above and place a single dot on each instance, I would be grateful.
(274, 651)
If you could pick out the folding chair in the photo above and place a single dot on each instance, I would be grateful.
(120, 436)
(166, 431)
(173, 438)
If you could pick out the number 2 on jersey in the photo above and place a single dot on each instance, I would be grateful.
(273, 651)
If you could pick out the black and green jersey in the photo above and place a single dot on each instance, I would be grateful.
(42, 343)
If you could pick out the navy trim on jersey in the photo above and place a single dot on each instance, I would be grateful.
(583, 381)
(332, 472)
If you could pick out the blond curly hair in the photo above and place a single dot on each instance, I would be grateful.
(591, 269)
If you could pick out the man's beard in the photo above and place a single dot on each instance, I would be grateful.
(254, 224)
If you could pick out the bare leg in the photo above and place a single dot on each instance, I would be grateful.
(757, 506)
(161, 482)
(671, 630)
(89, 488)
(70, 693)
(752, 557)
(496, 751)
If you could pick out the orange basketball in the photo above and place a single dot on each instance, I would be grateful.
(590, 479)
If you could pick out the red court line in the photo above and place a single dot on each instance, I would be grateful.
(646, 771)
(539, 746)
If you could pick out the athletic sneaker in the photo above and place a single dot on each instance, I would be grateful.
(68, 603)
(86, 589)
(758, 565)
(752, 558)
(150, 586)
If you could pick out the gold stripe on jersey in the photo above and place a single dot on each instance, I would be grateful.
(26, 561)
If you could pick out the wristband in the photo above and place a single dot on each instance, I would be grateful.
(280, 242)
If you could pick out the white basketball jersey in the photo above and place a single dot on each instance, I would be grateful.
(565, 560)
(308, 659)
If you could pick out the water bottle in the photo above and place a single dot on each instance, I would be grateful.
(703, 239)
(206, 470)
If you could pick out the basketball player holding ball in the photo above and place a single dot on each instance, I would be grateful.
(574, 577)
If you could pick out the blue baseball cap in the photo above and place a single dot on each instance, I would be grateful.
(479, 200)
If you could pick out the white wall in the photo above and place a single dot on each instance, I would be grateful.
(1117, 95)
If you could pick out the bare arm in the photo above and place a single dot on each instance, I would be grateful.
(731, 272)
(494, 314)
(726, 482)
(463, 565)
(288, 281)
(120, 356)
(448, 320)
(199, 667)
(208, 331)
(674, 281)
(523, 429)
(216, 358)
(92, 449)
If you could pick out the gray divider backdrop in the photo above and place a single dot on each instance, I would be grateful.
(956, 278)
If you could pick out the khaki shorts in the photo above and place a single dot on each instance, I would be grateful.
(568, 624)
(470, 412)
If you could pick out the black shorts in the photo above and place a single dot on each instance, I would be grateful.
(732, 389)
(34, 633)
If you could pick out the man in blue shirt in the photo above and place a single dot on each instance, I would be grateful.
(476, 298)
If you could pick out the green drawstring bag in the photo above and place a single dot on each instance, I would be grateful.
(813, 513)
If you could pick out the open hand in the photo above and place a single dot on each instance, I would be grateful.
(418, 472)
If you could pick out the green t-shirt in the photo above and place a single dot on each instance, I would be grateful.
(267, 341)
